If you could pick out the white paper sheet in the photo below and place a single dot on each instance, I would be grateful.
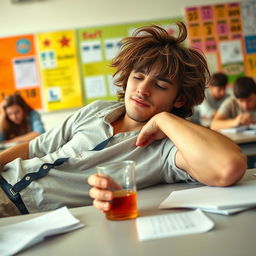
(112, 47)
(18, 236)
(25, 72)
(231, 51)
(91, 51)
(245, 129)
(95, 87)
(175, 224)
(223, 200)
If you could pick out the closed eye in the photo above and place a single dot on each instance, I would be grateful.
(160, 87)
(137, 78)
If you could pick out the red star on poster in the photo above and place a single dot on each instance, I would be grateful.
(64, 41)
(47, 42)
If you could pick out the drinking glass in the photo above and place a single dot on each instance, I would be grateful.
(123, 185)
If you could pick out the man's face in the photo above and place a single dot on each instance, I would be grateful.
(149, 94)
(249, 103)
(217, 92)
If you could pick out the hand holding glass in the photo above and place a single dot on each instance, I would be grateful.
(123, 185)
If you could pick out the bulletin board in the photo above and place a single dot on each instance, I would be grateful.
(97, 47)
(68, 68)
(19, 69)
(61, 85)
(226, 35)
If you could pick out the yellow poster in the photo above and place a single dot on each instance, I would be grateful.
(250, 63)
(58, 59)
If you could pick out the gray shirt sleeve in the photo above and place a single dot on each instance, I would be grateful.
(173, 173)
(54, 139)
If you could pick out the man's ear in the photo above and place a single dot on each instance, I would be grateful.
(181, 100)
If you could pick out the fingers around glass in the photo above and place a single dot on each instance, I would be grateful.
(103, 195)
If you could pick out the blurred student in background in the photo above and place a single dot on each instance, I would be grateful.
(215, 94)
(18, 121)
(238, 110)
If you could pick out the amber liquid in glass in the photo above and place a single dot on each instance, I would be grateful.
(124, 205)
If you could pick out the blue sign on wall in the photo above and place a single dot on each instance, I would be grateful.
(23, 46)
(250, 44)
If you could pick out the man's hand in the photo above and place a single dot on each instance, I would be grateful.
(150, 132)
(100, 192)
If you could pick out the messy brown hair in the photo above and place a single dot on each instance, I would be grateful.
(10, 129)
(152, 44)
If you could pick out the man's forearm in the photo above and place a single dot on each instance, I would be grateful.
(206, 155)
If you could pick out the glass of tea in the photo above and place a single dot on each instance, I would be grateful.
(123, 185)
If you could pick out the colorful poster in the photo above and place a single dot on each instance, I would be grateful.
(213, 23)
(98, 46)
(61, 84)
(19, 71)
(218, 29)
(248, 9)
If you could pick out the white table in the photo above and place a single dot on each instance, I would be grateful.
(247, 143)
(241, 138)
(232, 235)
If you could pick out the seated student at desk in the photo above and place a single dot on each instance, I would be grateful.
(240, 110)
(215, 94)
(160, 80)
(18, 121)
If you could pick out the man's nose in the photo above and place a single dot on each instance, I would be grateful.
(144, 88)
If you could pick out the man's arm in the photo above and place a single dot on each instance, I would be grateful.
(20, 150)
(220, 121)
(206, 155)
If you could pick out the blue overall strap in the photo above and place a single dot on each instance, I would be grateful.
(14, 197)
(102, 145)
(13, 191)
(43, 170)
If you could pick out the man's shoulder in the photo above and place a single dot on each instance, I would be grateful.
(101, 106)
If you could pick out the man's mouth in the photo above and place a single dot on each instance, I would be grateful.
(140, 102)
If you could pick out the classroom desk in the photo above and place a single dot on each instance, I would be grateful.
(246, 142)
(241, 138)
(232, 235)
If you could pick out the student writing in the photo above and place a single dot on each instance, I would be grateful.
(238, 110)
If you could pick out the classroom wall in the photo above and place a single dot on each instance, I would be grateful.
(49, 15)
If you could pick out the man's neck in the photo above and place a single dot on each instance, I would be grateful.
(126, 124)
